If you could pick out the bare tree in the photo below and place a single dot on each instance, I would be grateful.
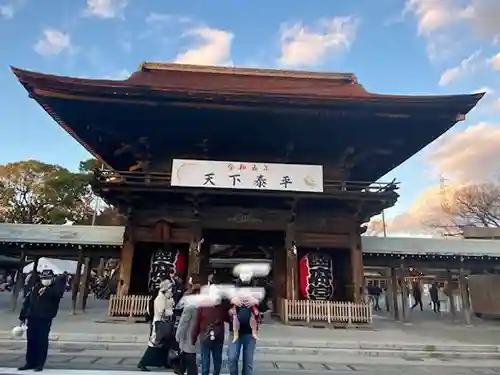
(375, 227)
(474, 205)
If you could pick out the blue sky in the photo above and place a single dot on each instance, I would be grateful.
(393, 46)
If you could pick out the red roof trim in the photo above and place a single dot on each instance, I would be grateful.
(303, 89)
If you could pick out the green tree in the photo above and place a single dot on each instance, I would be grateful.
(89, 165)
(39, 193)
(106, 215)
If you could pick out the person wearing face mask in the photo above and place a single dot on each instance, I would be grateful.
(39, 308)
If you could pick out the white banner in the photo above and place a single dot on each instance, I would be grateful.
(246, 175)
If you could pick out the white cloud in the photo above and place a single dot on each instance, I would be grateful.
(107, 73)
(7, 11)
(484, 16)
(495, 62)
(305, 46)
(467, 65)
(106, 8)
(468, 156)
(433, 15)
(485, 89)
(490, 103)
(121, 74)
(53, 42)
(446, 23)
(213, 47)
(154, 18)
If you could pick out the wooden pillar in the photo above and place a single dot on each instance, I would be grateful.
(100, 268)
(357, 269)
(84, 285)
(76, 280)
(35, 263)
(194, 255)
(275, 279)
(464, 295)
(20, 280)
(204, 260)
(404, 292)
(388, 294)
(279, 272)
(126, 258)
(292, 276)
(394, 293)
(449, 293)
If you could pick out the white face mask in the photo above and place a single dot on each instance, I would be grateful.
(46, 282)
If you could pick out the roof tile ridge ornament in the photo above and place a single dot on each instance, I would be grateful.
(278, 73)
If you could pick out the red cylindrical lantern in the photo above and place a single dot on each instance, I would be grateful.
(304, 275)
(316, 276)
(180, 263)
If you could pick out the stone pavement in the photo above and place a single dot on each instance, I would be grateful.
(348, 371)
(93, 365)
(92, 327)
(428, 336)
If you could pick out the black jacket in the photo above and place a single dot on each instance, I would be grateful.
(42, 306)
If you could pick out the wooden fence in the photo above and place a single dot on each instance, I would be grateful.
(289, 310)
(129, 306)
(325, 311)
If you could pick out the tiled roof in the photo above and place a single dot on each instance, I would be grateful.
(113, 235)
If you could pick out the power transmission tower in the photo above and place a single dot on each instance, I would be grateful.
(444, 202)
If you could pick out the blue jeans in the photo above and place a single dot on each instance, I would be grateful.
(247, 342)
(211, 349)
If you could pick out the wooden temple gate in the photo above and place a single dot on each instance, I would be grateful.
(326, 124)
(303, 230)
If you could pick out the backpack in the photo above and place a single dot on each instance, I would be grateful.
(244, 314)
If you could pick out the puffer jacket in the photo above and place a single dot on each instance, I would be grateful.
(206, 316)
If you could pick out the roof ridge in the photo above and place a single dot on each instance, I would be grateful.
(347, 77)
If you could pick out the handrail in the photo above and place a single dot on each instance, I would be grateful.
(160, 179)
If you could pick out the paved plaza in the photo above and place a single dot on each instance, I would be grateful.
(81, 365)
(91, 343)
(425, 328)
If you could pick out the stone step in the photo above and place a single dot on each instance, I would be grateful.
(135, 350)
(110, 341)
(318, 363)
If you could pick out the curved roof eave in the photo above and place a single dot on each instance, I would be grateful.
(33, 80)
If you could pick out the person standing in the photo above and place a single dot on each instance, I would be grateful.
(374, 292)
(434, 294)
(183, 335)
(209, 331)
(178, 288)
(161, 330)
(39, 308)
(244, 340)
(417, 296)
